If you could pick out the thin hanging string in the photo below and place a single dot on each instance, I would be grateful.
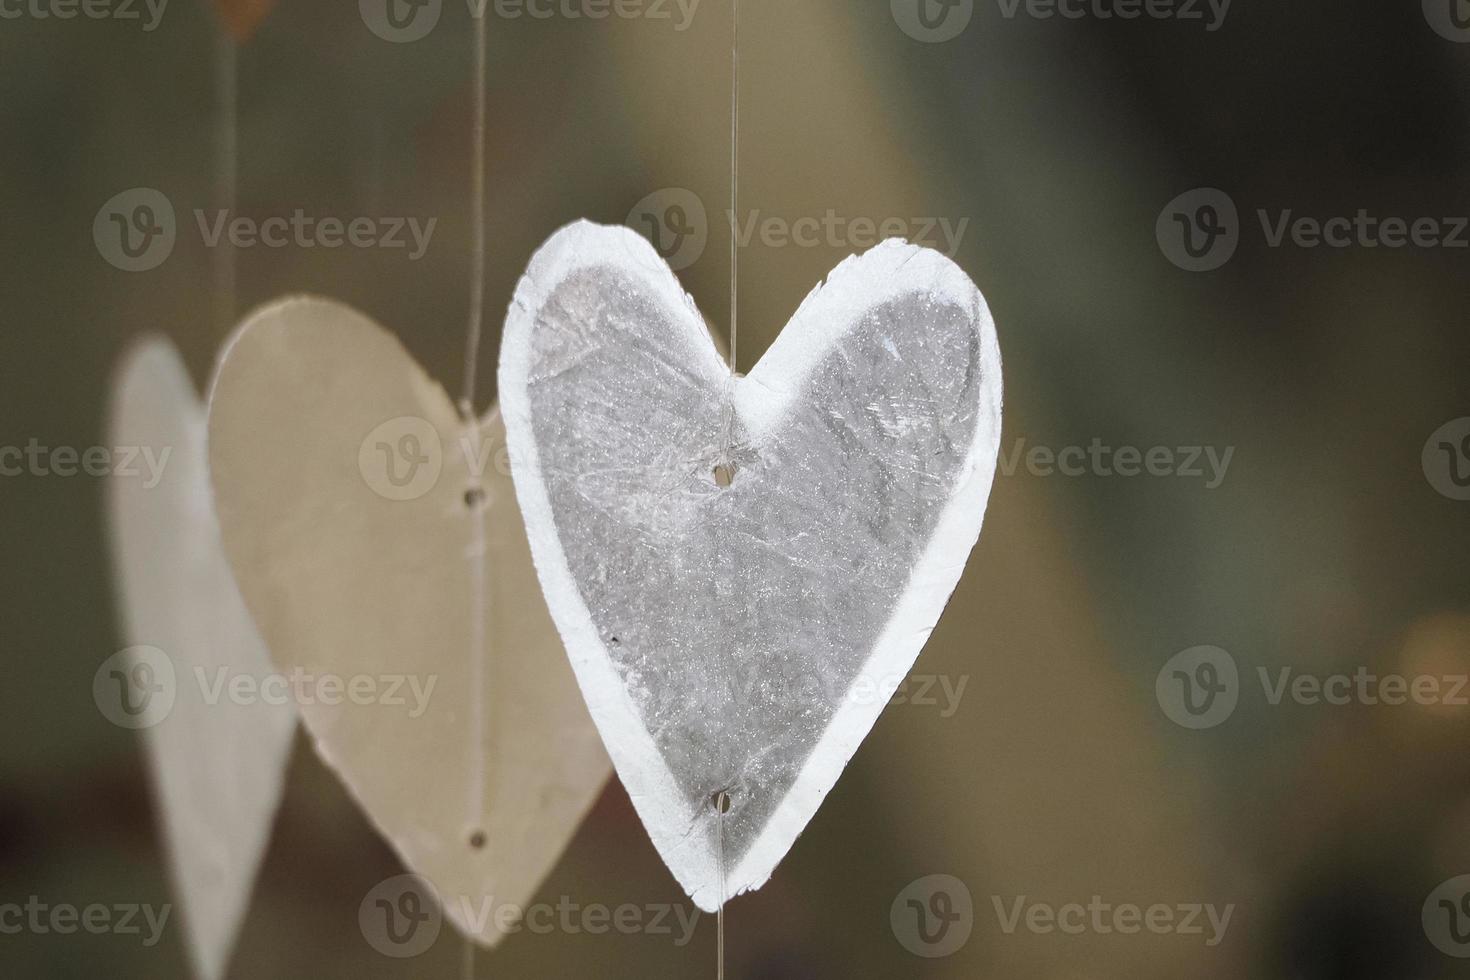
(226, 169)
(734, 184)
(477, 220)
(474, 495)
(722, 803)
(724, 470)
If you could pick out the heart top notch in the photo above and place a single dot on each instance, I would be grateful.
(742, 569)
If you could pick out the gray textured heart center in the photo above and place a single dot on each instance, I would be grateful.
(739, 617)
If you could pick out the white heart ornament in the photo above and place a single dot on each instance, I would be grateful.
(743, 568)
(217, 764)
(375, 536)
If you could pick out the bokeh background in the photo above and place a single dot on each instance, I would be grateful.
(1326, 548)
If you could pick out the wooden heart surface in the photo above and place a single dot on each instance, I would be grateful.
(744, 568)
(217, 763)
(376, 539)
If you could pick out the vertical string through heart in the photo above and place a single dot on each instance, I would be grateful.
(722, 799)
(474, 496)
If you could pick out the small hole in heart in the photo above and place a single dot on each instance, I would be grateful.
(721, 802)
(477, 840)
(724, 475)
(474, 497)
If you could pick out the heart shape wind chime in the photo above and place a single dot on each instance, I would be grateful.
(373, 531)
(739, 565)
(404, 619)
(374, 534)
(217, 766)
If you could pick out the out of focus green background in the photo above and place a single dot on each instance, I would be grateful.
(1060, 141)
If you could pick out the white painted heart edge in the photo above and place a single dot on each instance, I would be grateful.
(825, 317)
